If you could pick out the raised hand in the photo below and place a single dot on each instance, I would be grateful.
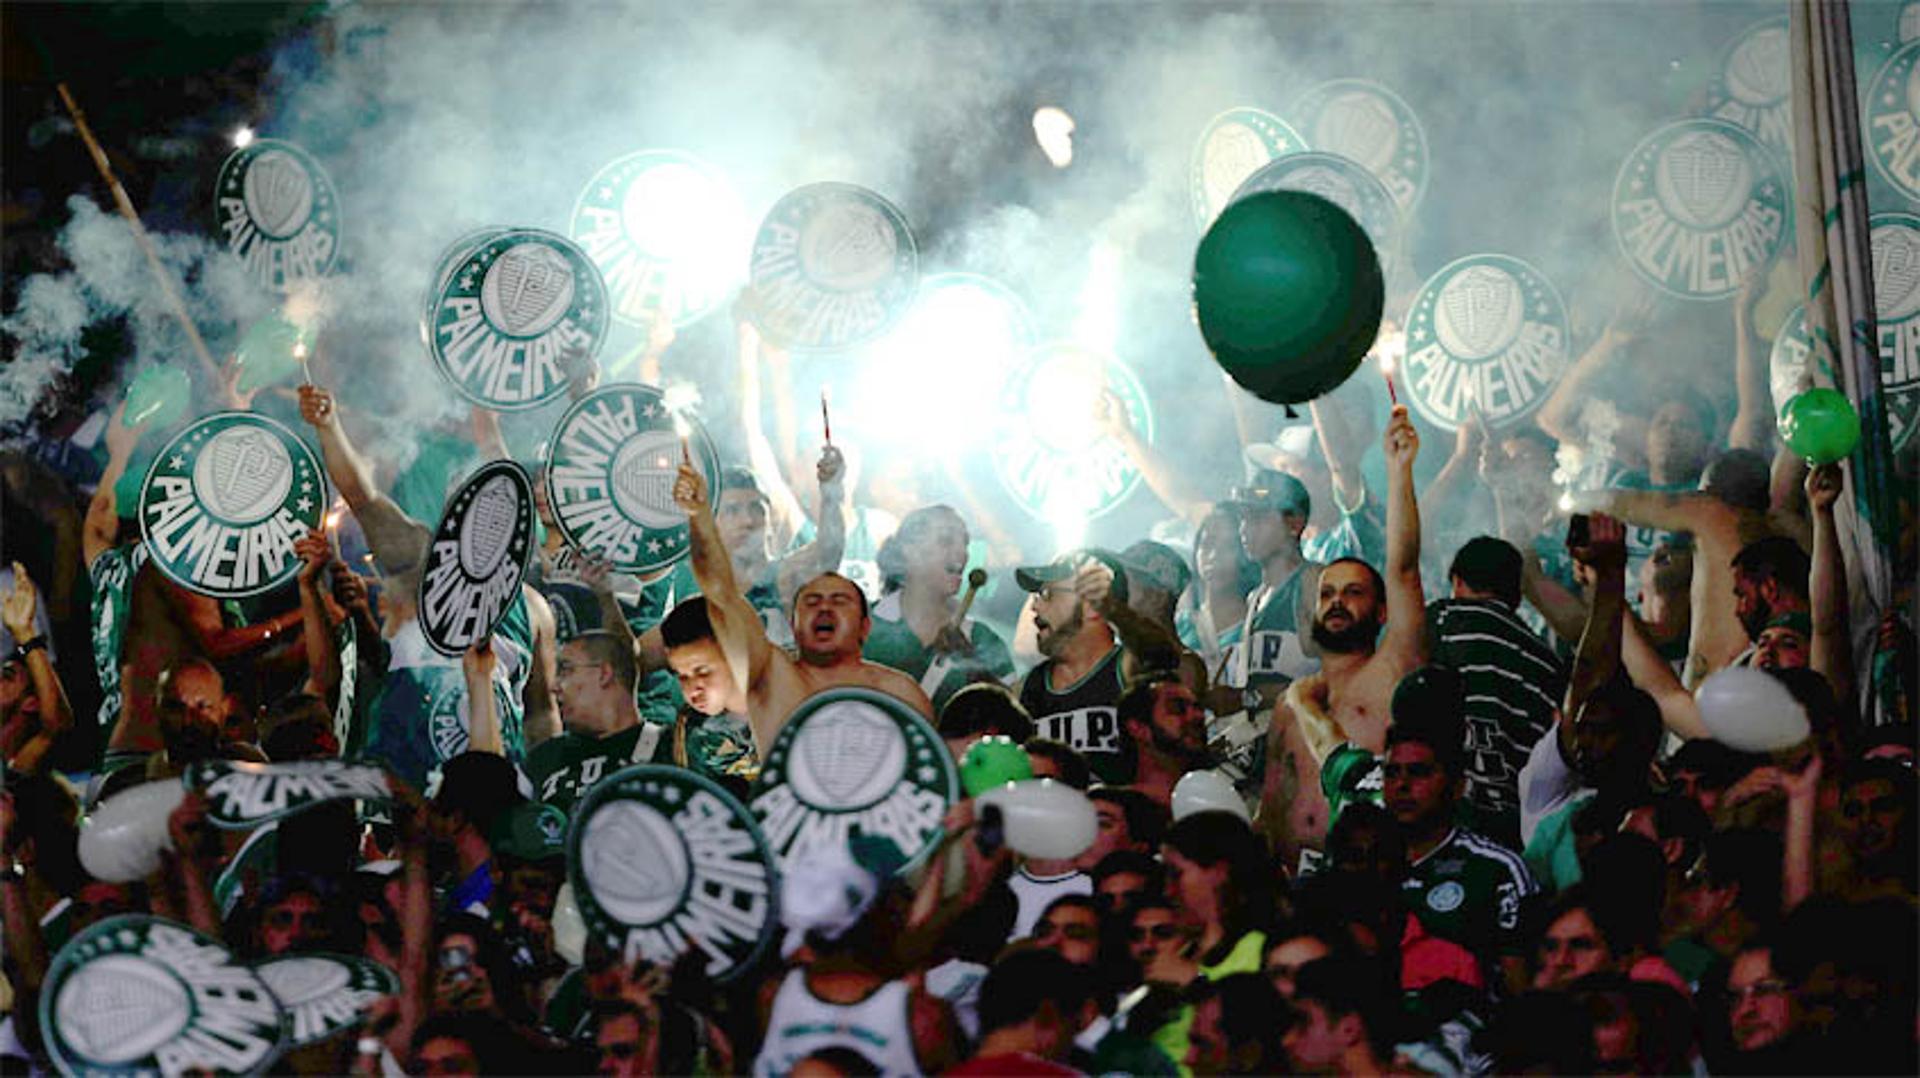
(17, 607)
(1093, 582)
(1824, 485)
(690, 489)
(1402, 440)
(832, 466)
(315, 552)
(317, 408)
(1606, 543)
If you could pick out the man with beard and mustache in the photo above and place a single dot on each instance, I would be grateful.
(1074, 692)
(830, 622)
(1323, 717)
(1168, 731)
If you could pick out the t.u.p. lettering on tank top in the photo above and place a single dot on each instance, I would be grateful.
(1087, 729)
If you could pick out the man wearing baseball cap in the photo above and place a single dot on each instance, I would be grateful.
(1074, 692)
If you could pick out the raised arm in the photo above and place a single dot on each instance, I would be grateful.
(323, 657)
(483, 719)
(1753, 423)
(736, 627)
(1340, 444)
(1560, 416)
(542, 716)
(1598, 658)
(1406, 604)
(786, 516)
(18, 611)
(829, 544)
(1831, 650)
(1168, 483)
(103, 512)
(1652, 675)
(350, 473)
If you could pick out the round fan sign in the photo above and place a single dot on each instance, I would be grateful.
(1753, 88)
(666, 231)
(1344, 183)
(611, 466)
(456, 253)
(508, 309)
(1896, 299)
(1893, 120)
(1365, 122)
(834, 265)
(1486, 334)
(854, 762)
(324, 994)
(136, 994)
(1051, 455)
(664, 861)
(477, 557)
(1233, 146)
(223, 502)
(278, 213)
(1698, 207)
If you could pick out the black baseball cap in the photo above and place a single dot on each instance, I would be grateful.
(1064, 567)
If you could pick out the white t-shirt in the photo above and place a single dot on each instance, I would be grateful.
(1036, 893)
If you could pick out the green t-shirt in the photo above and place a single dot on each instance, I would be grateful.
(893, 643)
(1350, 774)
(1469, 889)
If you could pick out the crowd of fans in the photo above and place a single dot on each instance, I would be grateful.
(1478, 826)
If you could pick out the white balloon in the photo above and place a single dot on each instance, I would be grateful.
(1751, 710)
(122, 839)
(1207, 791)
(1044, 818)
(569, 930)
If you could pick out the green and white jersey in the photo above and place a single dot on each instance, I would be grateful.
(565, 767)
(419, 716)
(111, 575)
(1276, 648)
(1084, 715)
(1469, 889)
(717, 746)
(893, 643)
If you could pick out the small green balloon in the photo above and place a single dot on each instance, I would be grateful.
(158, 395)
(1288, 292)
(1820, 425)
(994, 761)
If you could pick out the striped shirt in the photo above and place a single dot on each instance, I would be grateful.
(1513, 684)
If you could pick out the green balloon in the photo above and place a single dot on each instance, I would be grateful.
(266, 352)
(994, 761)
(1289, 292)
(1820, 425)
(158, 395)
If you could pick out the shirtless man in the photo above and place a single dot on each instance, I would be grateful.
(144, 624)
(830, 624)
(1349, 700)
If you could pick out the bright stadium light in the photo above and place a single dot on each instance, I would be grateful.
(242, 137)
(1053, 130)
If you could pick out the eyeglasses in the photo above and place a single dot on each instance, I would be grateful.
(1770, 988)
(1051, 591)
(1139, 934)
